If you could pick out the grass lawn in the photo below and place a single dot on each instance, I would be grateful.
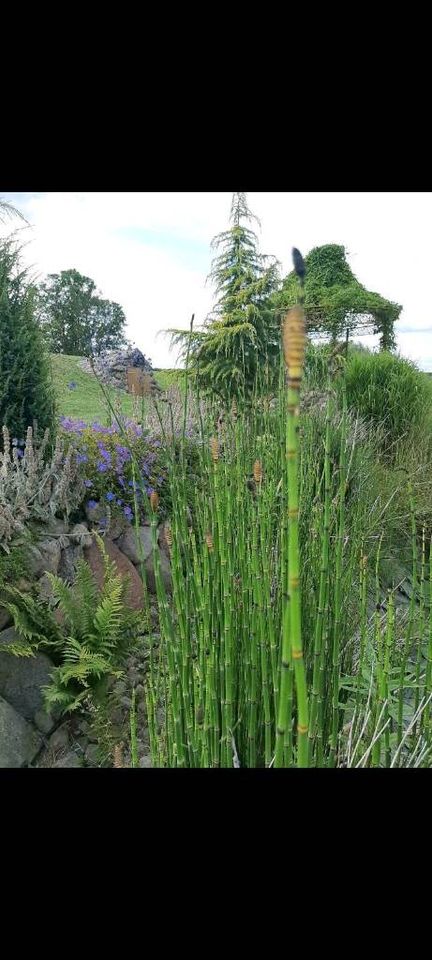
(86, 401)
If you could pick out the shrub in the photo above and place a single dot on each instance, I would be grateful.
(118, 470)
(35, 485)
(389, 390)
(26, 389)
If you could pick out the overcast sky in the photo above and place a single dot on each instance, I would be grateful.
(151, 251)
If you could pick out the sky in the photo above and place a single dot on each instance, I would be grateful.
(151, 252)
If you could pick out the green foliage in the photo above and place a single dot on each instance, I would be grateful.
(240, 341)
(26, 390)
(92, 639)
(13, 565)
(335, 301)
(75, 319)
(389, 390)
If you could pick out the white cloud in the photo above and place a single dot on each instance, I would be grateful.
(387, 237)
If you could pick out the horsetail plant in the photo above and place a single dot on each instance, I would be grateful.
(293, 339)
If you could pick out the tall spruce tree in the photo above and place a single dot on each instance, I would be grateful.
(239, 344)
(26, 388)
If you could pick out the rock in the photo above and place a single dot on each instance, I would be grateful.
(51, 552)
(21, 678)
(130, 545)
(35, 561)
(116, 528)
(165, 570)
(135, 592)
(44, 721)
(5, 618)
(81, 536)
(145, 762)
(120, 688)
(111, 366)
(19, 742)
(59, 739)
(68, 760)
(49, 528)
(68, 561)
(92, 754)
(44, 589)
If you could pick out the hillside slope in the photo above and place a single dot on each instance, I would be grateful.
(79, 395)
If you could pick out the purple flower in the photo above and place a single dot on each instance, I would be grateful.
(82, 458)
(103, 522)
(110, 496)
(119, 503)
(121, 481)
(150, 490)
(102, 467)
(72, 385)
(92, 504)
(20, 453)
(88, 483)
(14, 442)
(131, 483)
(128, 513)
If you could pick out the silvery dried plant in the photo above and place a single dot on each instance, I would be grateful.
(35, 485)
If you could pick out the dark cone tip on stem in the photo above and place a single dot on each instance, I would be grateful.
(299, 264)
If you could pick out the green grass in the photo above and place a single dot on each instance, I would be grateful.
(86, 401)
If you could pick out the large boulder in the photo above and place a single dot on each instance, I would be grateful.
(19, 742)
(135, 592)
(111, 367)
(21, 678)
(165, 573)
(129, 544)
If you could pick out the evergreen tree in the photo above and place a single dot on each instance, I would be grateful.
(240, 341)
(74, 318)
(26, 389)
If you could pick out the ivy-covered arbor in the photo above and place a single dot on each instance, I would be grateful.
(335, 302)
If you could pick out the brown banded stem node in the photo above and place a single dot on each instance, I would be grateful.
(214, 447)
(258, 471)
(209, 541)
(154, 501)
(294, 342)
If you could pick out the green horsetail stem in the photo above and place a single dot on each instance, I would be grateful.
(294, 346)
(421, 622)
(409, 632)
(323, 586)
(428, 680)
(338, 586)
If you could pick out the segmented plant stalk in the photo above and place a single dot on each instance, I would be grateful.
(421, 624)
(426, 716)
(389, 645)
(323, 586)
(409, 632)
(337, 601)
(294, 347)
(133, 732)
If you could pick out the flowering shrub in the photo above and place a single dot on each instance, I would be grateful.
(106, 460)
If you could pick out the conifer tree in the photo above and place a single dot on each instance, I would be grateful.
(26, 389)
(240, 341)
